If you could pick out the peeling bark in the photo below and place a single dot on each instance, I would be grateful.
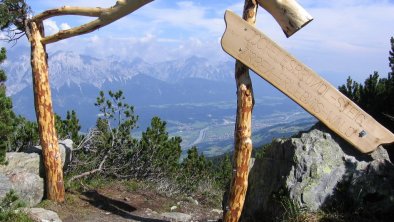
(243, 130)
(42, 92)
(45, 116)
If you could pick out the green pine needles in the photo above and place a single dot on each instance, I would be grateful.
(7, 116)
(376, 95)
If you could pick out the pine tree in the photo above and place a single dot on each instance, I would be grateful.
(391, 57)
(390, 83)
(25, 134)
(376, 95)
(158, 153)
(7, 116)
(69, 127)
(224, 172)
(195, 168)
(351, 90)
(73, 126)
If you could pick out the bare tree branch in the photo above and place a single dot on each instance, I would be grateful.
(100, 168)
(105, 17)
(69, 10)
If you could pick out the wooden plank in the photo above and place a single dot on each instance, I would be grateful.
(300, 83)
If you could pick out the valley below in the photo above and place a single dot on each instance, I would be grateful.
(210, 126)
(194, 96)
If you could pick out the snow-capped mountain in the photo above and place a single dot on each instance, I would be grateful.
(76, 79)
(71, 68)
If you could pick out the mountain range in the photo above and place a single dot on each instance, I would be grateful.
(191, 94)
(76, 80)
(70, 68)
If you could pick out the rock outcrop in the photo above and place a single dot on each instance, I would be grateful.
(317, 170)
(24, 173)
(65, 147)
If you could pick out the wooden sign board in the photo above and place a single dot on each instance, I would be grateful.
(317, 96)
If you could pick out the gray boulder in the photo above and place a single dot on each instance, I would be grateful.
(176, 217)
(28, 186)
(65, 147)
(318, 170)
(25, 170)
(22, 175)
(41, 215)
(22, 161)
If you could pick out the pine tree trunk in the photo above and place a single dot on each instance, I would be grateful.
(243, 130)
(45, 116)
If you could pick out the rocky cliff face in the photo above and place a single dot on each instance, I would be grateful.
(316, 170)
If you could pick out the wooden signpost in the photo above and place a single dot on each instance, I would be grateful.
(300, 83)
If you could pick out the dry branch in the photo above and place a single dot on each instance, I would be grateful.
(105, 17)
(288, 13)
(85, 174)
(69, 10)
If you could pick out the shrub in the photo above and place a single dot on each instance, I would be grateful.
(8, 206)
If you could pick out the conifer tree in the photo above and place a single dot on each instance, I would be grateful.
(391, 57)
(376, 95)
(195, 168)
(7, 116)
(73, 126)
(223, 174)
(159, 153)
(69, 127)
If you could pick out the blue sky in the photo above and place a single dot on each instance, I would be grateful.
(347, 37)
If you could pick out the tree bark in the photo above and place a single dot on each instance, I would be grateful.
(45, 116)
(243, 130)
(42, 93)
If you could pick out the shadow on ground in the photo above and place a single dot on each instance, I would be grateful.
(112, 206)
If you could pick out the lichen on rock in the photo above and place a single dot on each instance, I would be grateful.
(317, 170)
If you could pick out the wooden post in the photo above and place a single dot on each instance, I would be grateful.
(45, 116)
(42, 91)
(243, 130)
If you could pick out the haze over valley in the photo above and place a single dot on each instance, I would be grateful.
(196, 97)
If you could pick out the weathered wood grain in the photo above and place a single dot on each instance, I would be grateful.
(317, 96)
(243, 130)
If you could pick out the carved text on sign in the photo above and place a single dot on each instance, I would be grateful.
(303, 85)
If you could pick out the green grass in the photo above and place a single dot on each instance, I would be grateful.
(132, 185)
(8, 209)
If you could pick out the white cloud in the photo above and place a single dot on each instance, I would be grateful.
(147, 38)
(94, 39)
(186, 15)
(2, 35)
(346, 37)
(64, 26)
(50, 27)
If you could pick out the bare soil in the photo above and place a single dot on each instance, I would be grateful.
(117, 202)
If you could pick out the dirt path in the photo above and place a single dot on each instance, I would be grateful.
(118, 203)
